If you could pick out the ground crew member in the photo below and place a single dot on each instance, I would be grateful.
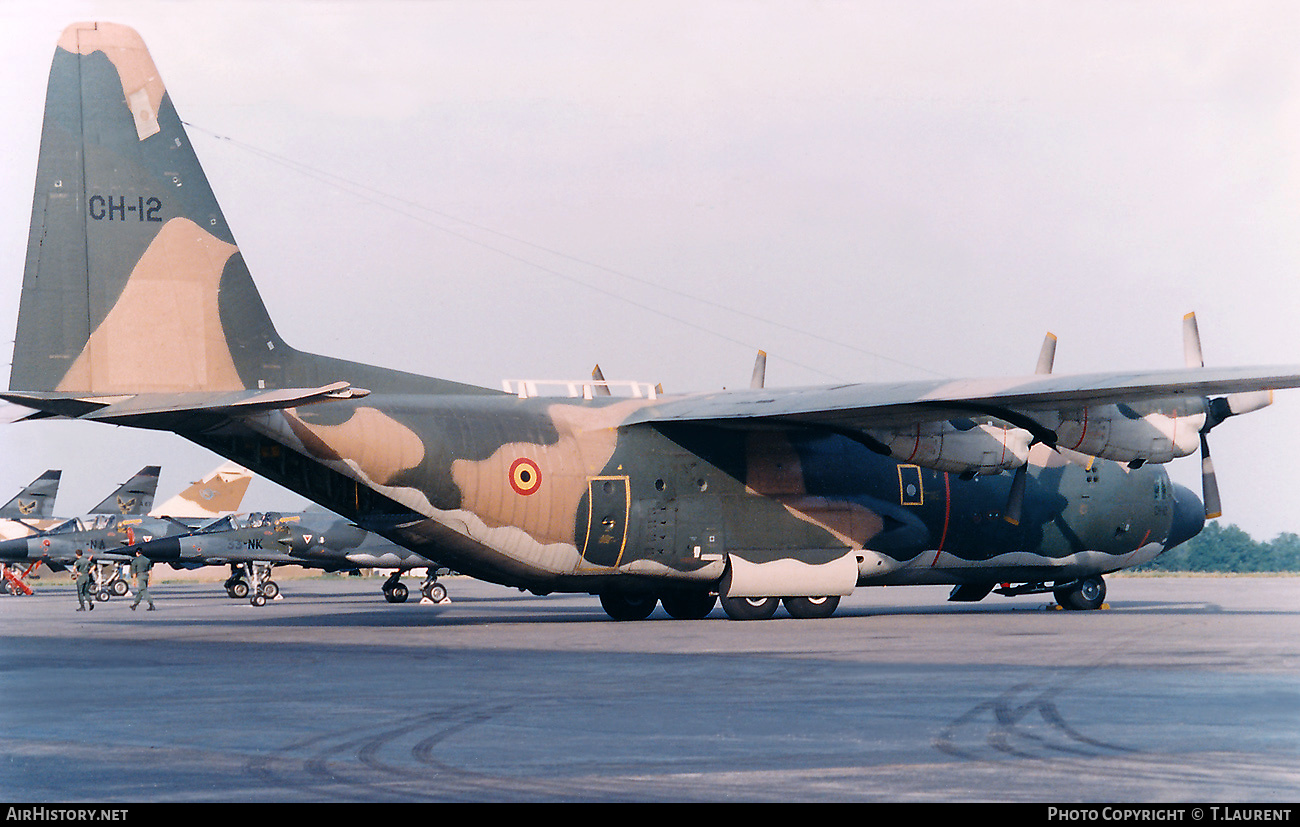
(81, 569)
(140, 566)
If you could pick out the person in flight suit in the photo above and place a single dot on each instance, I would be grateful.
(81, 569)
(140, 567)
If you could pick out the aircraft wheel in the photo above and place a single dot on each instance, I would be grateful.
(103, 595)
(811, 607)
(623, 606)
(258, 600)
(688, 605)
(270, 590)
(238, 590)
(1088, 593)
(119, 588)
(436, 592)
(750, 608)
(397, 594)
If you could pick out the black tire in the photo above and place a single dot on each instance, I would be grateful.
(270, 590)
(1083, 595)
(688, 605)
(750, 608)
(397, 594)
(258, 600)
(811, 607)
(103, 595)
(238, 590)
(119, 587)
(437, 593)
(627, 606)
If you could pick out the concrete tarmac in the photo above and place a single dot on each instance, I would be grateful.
(1187, 689)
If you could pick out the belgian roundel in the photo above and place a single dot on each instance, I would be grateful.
(525, 476)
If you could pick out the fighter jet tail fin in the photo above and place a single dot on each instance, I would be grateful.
(36, 500)
(218, 493)
(134, 497)
(133, 282)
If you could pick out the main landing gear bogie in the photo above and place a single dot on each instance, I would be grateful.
(252, 581)
(395, 591)
(697, 605)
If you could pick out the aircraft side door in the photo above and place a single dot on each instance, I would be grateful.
(608, 503)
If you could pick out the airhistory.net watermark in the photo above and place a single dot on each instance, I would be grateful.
(64, 814)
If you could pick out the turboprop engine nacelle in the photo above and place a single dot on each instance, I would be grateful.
(958, 446)
(1156, 432)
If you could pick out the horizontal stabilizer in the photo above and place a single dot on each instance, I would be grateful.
(158, 409)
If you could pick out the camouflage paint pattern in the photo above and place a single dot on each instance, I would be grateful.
(134, 286)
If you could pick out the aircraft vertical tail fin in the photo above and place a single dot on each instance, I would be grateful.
(134, 497)
(36, 500)
(133, 281)
(220, 492)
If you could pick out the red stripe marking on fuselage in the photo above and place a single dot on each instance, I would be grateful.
(947, 514)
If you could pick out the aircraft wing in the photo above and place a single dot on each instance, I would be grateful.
(1019, 400)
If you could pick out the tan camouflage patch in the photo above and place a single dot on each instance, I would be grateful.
(546, 509)
(772, 465)
(773, 469)
(852, 524)
(141, 86)
(220, 492)
(373, 443)
(164, 333)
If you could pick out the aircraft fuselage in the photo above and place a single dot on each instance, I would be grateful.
(556, 494)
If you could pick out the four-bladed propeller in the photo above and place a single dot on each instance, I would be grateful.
(1016, 499)
(1194, 358)
(1218, 409)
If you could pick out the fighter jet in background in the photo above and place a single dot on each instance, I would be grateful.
(133, 497)
(252, 544)
(31, 508)
(123, 519)
(755, 497)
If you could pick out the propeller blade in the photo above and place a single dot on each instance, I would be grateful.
(1247, 401)
(1047, 355)
(1209, 484)
(760, 371)
(599, 387)
(1016, 499)
(1192, 342)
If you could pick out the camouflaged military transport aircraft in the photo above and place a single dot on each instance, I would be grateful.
(138, 309)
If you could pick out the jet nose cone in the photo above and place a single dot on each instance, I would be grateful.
(1189, 517)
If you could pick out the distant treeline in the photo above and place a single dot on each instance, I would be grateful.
(1230, 549)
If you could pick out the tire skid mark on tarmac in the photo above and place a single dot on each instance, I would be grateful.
(1009, 732)
(343, 764)
(360, 764)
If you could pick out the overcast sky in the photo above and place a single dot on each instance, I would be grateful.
(866, 190)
